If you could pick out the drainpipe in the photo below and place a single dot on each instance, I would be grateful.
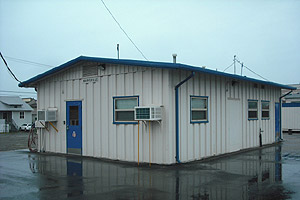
(177, 114)
(280, 124)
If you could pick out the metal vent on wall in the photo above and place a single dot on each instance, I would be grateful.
(89, 71)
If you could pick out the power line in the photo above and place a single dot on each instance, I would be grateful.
(228, 67)
(123, 30)
(9, 68)
(251, 70)
(255, 73)
(27, 61)
(235, 59)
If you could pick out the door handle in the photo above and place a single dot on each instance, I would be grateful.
(67, 127)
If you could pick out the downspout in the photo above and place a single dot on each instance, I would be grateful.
(177, 114)
(280, 124)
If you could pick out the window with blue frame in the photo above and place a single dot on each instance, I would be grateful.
(124, 109)
(199, 109)
(252, 109)
(265, 109)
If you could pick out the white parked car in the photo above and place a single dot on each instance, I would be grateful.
(25, 127)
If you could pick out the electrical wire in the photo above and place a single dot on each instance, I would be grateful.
(9, 68)
(27, 62)
(255, 73)
(251, 70)
(123, 30)
(228, 67)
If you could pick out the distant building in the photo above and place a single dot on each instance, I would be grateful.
(294, 96)
(33, 104)
(291, 110)
(14, 112)
(91, 105)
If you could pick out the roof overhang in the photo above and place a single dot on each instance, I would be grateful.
(32, 81)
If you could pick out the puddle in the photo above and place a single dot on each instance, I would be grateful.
(268, 173)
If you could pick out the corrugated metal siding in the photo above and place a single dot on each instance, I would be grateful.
(102, 138)
(290, 118)
(198, 140)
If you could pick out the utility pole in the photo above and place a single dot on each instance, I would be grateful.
(234, 64)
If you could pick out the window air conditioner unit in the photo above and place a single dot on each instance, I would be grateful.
(51, 115)
(147, 113)
(41, 115)
(40, 123)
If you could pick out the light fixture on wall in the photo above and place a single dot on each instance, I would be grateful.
(234, 82)
(101, 66)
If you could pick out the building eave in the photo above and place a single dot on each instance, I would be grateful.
(32, 81)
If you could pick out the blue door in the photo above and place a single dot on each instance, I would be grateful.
(277, 122)
(74, 127)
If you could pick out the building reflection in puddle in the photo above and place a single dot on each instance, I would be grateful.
(74, 178)
(241, 176)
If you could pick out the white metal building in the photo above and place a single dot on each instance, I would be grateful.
(291, 117)
(204, 112)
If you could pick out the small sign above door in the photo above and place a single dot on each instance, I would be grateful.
(88, 80)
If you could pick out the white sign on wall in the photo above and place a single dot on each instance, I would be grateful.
(89, 80)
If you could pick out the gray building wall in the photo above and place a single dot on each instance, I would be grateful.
(18, 121)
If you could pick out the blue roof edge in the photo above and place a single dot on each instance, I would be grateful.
(147, 64)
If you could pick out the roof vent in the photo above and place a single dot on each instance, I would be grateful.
(89, 71)
(174, 57)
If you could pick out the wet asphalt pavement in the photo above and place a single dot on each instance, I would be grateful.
(14, 140)
(268, 173)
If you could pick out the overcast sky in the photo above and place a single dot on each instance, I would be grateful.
(265, 35)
